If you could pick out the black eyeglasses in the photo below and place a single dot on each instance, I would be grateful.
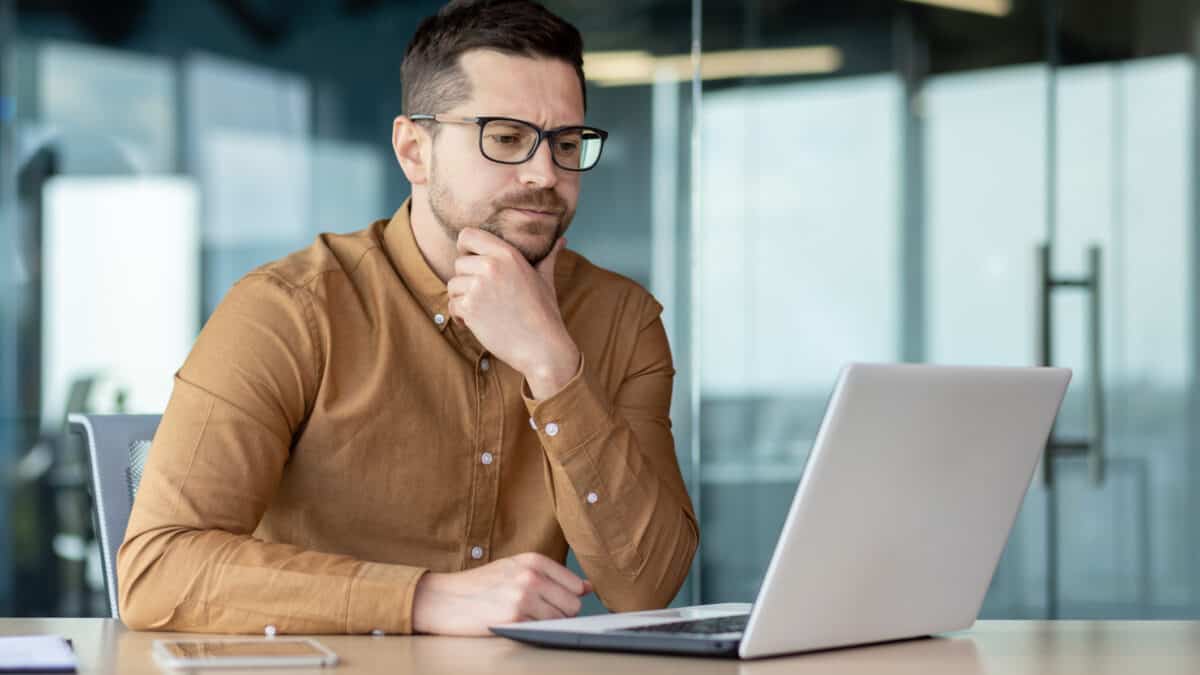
(511, 141)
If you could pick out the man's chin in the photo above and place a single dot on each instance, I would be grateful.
(534, 254)
(535, 243)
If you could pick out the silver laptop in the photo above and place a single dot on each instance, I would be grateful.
(897, 525)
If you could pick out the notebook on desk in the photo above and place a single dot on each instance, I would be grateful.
(36, 654)
(908, 496)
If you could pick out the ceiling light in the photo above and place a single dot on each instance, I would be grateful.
(629, 68)
(989, 7)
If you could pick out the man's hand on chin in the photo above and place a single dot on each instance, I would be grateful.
(512, 308)
(525, 587)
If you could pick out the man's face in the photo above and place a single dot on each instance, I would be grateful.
(528, 205)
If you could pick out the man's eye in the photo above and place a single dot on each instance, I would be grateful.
(506, 139)
(568, 147)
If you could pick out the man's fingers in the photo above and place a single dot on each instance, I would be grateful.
(562, 599)
(458, 286)
(473, 265)
(538, 609)
(556, 573)
(456, 309)
(472, 240)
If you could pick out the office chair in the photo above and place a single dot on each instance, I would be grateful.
(117, 449)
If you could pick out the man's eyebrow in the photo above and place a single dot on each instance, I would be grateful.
(581, 123)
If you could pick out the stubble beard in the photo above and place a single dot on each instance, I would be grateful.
(442, 204)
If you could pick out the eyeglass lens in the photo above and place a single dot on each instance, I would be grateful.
(576, 148)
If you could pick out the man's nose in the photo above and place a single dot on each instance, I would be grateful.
(540, 171)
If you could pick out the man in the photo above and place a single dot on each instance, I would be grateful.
(404, 428)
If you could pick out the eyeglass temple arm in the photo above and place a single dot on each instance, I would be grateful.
(444, 119)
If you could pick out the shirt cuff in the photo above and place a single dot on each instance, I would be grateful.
(568, 419)
(373, 605)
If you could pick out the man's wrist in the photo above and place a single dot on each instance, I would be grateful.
(425, 604)
(551, 375)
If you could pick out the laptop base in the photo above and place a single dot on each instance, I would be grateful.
(651, 644)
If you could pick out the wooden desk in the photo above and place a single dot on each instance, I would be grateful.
(105, 647)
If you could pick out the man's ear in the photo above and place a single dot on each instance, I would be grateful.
(410, 143)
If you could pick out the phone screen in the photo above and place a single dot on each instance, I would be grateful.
(218, 649)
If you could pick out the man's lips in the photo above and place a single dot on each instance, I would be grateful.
(535, 213)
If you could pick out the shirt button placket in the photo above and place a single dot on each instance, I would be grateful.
(487, 476)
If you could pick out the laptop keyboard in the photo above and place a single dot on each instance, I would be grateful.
(721, 624)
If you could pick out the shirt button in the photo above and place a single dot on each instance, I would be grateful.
(476, 552)
(552, 429)
(533, 423)
(486, 458)
(439, 319)
(270, 630)
(592, 497)
(484, 364)
(378, 633)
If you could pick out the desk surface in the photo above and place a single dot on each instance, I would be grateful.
(991, 647)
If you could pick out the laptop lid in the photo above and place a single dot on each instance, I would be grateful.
(908, 496)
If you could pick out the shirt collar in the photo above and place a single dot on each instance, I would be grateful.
(401, 246)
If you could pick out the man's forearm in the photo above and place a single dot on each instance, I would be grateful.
(217, 582)
(619, 496)
(190, 561)
(638, 553)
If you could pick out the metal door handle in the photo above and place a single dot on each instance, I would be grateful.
(1093, 445)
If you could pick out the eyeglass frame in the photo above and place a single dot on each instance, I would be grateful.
(542, 134)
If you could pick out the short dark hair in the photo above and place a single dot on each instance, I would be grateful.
(431, 77)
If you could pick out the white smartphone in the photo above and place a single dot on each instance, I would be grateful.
(243, 653)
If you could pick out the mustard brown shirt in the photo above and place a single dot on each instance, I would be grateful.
(333, 435)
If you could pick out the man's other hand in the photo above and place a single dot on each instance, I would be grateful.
(525, 587)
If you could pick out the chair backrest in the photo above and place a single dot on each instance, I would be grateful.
(117, 448)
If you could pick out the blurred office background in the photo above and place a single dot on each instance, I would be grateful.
(802, 183)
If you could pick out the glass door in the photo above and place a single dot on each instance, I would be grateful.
(1060, 229)
(1002, 183)
(1119, 505)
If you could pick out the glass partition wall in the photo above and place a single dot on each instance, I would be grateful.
(800, 184)
(987, 182)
